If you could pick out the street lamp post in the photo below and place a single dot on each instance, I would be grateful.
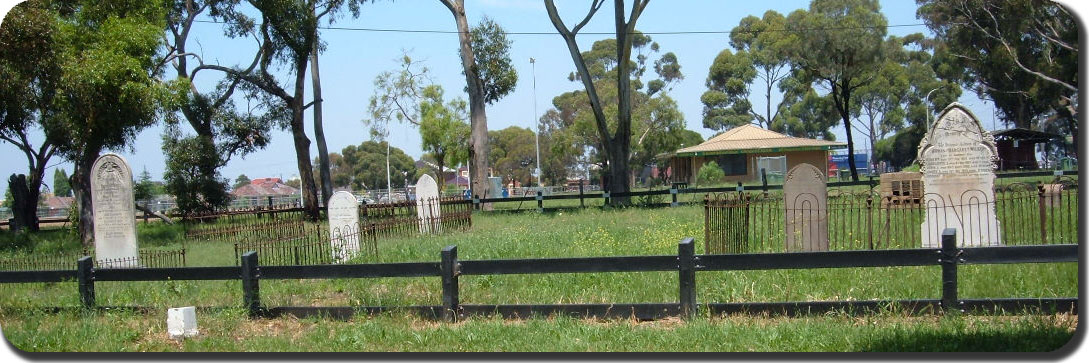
(536, 135)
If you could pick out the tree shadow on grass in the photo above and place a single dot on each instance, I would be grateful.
(1021, 338)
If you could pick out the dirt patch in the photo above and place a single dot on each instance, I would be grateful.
(283, 326)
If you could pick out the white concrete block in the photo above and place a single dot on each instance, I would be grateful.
(181, 322)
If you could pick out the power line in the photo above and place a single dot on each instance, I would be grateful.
(684, 32)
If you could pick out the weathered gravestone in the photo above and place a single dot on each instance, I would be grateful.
(495, 187)
(343, 225)
(427, 205)
(1052, 195)
(114, 212)
(805, 201)
(958, 158)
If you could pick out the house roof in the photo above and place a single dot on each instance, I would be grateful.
(55, 202)
(1024, 134)
(748, 139)
(264, 187)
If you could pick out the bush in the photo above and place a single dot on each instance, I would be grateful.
(709, 173)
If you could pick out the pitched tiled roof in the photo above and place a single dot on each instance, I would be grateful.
(264, 187)
(749, 138)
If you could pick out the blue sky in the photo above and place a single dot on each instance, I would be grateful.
(354, 58)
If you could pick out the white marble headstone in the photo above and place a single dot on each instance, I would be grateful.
(805, 202)
(343, 225)
(181, 322)
(958, 158)
(427, 204)
(114, 212)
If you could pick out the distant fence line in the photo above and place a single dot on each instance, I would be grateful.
(742, 222)
(686, 263)
(677, 189)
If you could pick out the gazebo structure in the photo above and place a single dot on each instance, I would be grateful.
(741, 151)
(1017, 148)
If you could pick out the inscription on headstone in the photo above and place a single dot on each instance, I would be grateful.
(958, 158)
(343, 225)
(114, 212)
(805, 201)
(427, 205)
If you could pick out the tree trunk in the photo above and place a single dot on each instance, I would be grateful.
(160, 216)
(302, 144)
(81, 185)
(23, 213)
(478, 138)
(440, 157)
(319, 131)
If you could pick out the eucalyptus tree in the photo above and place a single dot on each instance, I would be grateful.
(110, 60)
(840, 46)
(485, 62)
(29, 70)
(288, 35)
(615, 144)
(443, 130)
(1020, 54)
(762, 52)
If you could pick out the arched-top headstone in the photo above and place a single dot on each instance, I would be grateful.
(805, 202)
(958, 159)
(114, 210)
(427, 204)
(343, 225)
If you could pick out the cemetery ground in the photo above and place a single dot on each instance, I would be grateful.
(224, 325)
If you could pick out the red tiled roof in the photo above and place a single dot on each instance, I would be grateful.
(262, 187)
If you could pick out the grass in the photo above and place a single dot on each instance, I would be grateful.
(579, 233)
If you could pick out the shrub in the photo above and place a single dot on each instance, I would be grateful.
(709, 173)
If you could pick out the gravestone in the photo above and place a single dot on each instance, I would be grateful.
(343, 225)
(427, 205)
(1052, 195)
(114, 212)
(805, 202)
(181, 322)
(958, 159)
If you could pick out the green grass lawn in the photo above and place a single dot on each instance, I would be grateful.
(578, 233)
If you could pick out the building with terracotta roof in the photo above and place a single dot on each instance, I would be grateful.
(738, 152)
(258, 190)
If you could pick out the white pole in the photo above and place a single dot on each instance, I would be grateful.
(927, 101)
(389, 186)
(536, 135)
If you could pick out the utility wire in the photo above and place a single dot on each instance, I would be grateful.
(425, 31)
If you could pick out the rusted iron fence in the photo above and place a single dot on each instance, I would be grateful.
(148, 258)
(313, 246)
(745, 222)
(271, 229)
(401, 219)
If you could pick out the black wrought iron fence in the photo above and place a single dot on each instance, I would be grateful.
(745, 222)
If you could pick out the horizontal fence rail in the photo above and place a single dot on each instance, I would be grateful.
(870, 182)
(686, 263)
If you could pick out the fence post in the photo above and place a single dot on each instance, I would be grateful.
(450, 272)
(764, 178)
(582, 204)
(673, 194)
(608, 199)
(251, 272)
(85, 276)
(740, 187)
(1043, 211)
(950, 255)
(476, 202)
(686, 267)
(540, 202)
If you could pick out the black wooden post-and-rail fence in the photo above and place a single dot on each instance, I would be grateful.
(686, 263)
